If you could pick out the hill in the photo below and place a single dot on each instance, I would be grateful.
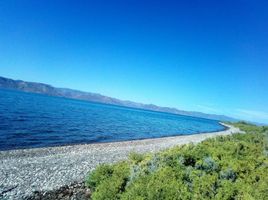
(41, 88)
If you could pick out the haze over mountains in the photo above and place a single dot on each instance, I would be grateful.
(41, 88)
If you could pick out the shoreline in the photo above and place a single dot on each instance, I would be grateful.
(139, 139)
(25, 171)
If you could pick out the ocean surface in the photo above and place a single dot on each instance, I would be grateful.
(32, 120)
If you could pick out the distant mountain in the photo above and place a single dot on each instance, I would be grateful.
(41, 88)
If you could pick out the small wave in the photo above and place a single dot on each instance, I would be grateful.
(19, 120)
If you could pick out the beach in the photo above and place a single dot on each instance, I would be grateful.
(25, 171)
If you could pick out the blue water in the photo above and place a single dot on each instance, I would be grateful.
(32, 120)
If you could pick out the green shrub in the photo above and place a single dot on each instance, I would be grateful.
(225, 167)
(208, 165)
(102, 173)
(228, 174)
(135, 157)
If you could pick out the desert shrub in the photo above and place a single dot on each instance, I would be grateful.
(225, 167)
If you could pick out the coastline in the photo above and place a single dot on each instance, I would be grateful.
(226, 127)
(44, 169)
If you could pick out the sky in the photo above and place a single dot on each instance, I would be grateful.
(208, 56)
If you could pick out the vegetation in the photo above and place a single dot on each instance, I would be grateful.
(225, 167)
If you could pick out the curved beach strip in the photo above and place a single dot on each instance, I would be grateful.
(25, 171)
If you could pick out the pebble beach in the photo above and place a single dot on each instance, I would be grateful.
(27, 171)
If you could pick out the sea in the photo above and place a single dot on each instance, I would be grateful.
(30, 120)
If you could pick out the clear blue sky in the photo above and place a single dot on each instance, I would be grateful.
(209, 56)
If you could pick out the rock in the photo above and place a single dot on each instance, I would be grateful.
(75, 191)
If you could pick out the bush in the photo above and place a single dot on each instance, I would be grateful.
(208, 165)
(102, 173)
(225, 167)
(135, 157)
(228, 174)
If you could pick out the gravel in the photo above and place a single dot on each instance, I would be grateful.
(29, 172)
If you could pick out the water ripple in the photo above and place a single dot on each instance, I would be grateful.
(32, 120)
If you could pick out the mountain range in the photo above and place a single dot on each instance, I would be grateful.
(41, 88)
